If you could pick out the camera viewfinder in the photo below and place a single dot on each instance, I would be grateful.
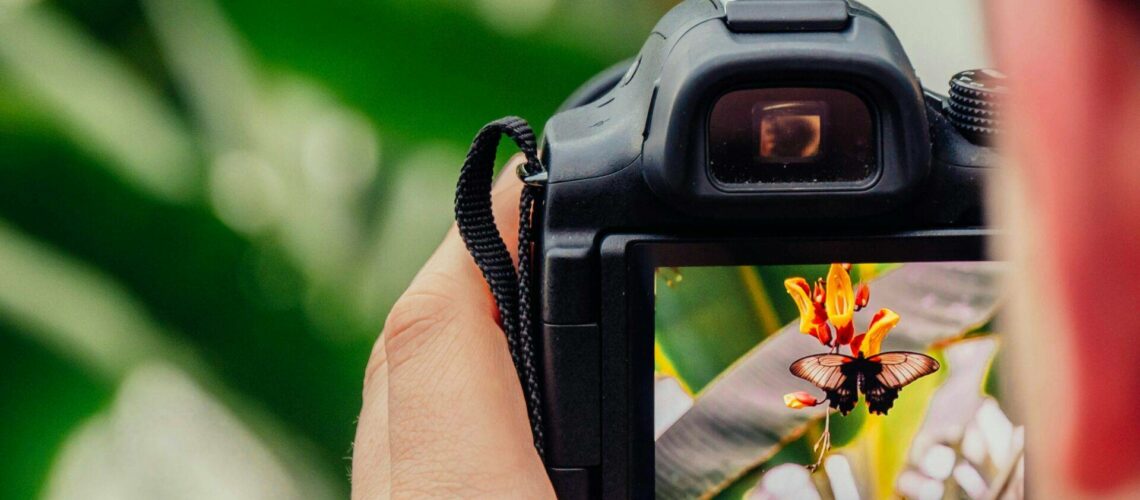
(791, 136)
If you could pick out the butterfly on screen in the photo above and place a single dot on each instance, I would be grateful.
(879, 377)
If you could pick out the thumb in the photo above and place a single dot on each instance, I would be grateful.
(443, 411)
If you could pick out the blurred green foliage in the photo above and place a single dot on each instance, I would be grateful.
(141, 268)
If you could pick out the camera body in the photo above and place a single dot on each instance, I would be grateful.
(748, 131)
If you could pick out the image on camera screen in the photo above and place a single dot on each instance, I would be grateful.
(864, 380)
(790, 132)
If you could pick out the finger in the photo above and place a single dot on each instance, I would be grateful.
(451, 270)
(371, 455)
(456, 420)
(1075, 108)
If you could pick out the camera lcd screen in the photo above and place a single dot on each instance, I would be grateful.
(791, 135)
(866, 380)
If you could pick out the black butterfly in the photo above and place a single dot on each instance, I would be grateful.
(879, 377)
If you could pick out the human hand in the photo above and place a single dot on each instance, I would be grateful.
(443, 412)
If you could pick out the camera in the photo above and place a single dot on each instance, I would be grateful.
(752, 135)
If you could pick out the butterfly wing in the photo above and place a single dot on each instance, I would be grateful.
(894, 371)
(879, 397)
(823, 370)
(832, 373)
(901, 368)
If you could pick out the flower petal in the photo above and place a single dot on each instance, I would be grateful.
(881, 324)
(799, 399)
(862, 296)
(840, 297)
(857, 343)
(801, 293)
(844, 334)
(823, 333)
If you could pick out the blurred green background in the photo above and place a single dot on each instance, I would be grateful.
(207, 208)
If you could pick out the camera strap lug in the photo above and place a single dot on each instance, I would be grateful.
(533, 180)
(532, 172)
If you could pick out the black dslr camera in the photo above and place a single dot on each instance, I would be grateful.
(756, 135)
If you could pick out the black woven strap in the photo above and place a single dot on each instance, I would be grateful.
(510, 287)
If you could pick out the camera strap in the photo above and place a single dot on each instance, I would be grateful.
(510, 286)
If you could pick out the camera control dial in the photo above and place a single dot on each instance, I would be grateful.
(974, 105)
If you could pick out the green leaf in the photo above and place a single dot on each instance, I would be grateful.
(699, 323)
(739, 420)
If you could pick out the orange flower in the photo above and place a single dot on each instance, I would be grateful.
(800, 399)
(862, 296)
(871, 343)
(801, 295)
(831, 300)
(823, 333)
(840, 298)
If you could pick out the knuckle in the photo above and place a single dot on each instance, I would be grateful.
(415, 314)
(424, 312)
(414, 317)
